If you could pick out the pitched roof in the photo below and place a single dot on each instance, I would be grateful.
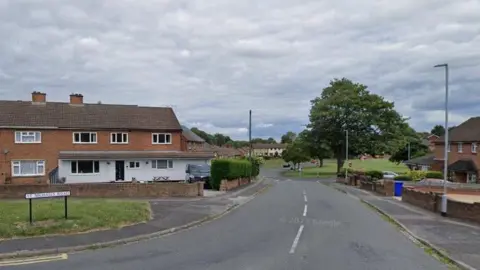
(90, 116)
(423, 160)
(268, 145)
(463, 165)
(468, 131)
(190, 135)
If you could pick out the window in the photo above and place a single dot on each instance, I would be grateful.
(28, 167)
(119, 137)
(161, 138)
(448, 147)
(84, 137)
(474, 147)
(162, 164)
(460, 147)
(134, 164)
(28, 137)
(471, 178)
(85, 167)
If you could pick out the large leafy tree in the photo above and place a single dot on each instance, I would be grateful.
(288, 137)
(296, 153)
(315, 145)
(373, 124)
(417, 148)
(438, 130)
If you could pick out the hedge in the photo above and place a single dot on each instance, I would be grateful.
(229, 169)
(374, 174)
(403, 178)
(434, 174)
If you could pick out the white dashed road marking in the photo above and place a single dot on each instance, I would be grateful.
(297, 238)
(305, 210)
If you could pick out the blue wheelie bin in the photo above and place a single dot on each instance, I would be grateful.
(398, 188)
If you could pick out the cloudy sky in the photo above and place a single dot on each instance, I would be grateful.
(213, 60)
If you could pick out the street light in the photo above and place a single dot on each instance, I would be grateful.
(346, 156)
(445, 152)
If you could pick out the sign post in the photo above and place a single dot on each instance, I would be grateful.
(31, 196)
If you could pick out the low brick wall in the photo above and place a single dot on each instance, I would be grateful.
(340, 180)
(108, 190)
(432, 201)
(463, 191)
(384, 189)
(231, 184)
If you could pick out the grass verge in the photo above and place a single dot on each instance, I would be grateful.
(83, 215)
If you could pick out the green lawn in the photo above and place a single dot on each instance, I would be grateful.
(84, 215)
(274, 163)
(329, 168)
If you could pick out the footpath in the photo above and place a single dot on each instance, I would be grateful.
(459, 241)
(169, 216)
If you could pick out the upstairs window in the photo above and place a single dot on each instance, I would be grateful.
(84, 137)
(119, 138)
(28, 137)
(460, 147)
(448, 147)
(161, 138)
(474, 147)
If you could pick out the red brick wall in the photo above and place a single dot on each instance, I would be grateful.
(231, 184)
(421, 199)
(54, 141)
(108, 190)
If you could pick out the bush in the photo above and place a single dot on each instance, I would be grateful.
(374, 174)
(417, 175)
(343, 172)
(403, 178)
(256, 162)
(434, 174)
(229, 169)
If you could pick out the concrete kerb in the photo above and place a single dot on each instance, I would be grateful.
(411, 235)
(130, 240)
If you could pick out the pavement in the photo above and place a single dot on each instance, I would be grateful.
(292, 225)
(169, 214)
(458, 240)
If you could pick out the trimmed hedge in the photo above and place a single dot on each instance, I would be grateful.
(434, 174)
(229, 169)
(374, 174)
(403, 178)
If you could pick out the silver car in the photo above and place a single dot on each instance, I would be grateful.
(389, 175)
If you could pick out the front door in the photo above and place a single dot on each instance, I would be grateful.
(471, 178)
(119, 170)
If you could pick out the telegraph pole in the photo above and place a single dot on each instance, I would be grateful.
(250, 134)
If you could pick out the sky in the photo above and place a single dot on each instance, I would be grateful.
(214, 60)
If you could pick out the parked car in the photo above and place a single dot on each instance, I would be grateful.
(197, 172)
(389, 175)
(286, 165)
(435, 182)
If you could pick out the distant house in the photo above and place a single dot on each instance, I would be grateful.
(463, 157)
(224, 152)
(268, 149)
(429, 140)
(423, 163)
(191, 141)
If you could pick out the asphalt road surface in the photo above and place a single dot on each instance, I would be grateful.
(294, 225)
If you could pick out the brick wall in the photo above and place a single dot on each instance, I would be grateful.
(108, 190)
(231, 184)
(466, 211)
(426, 200)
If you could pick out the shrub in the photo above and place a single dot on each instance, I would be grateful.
(417, 175)
(229, 169)
(403, 177)
(434, 174)
(373, 174)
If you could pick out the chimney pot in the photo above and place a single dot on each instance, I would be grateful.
(39, 97)
(76, 99)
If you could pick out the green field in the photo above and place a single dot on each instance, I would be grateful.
(84, 215)
(329, 168)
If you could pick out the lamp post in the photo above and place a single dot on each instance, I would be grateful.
(445, 152)
(346, 155)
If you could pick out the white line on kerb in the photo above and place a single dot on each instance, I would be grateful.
(305, 211)
(297, 238)
(305, 198)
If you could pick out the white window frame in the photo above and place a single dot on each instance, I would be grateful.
(460, 147)
(448, 147)
(135, 167)
(18, 163)
(155, 166)
(164, 134)
(474, 147)
(80, 136)
(19, 135)
(471, 178)
(115, 135)
(92, 173)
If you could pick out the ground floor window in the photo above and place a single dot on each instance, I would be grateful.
(85, 166)
(425, 168)
(471, 178)
(28, 167)
(134, 164)
(162, 164)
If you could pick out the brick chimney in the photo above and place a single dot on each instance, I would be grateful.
(76, 99)
(39, 97)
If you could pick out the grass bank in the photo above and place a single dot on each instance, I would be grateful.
(83, 215)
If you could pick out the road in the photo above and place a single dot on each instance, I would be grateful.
(294, 225)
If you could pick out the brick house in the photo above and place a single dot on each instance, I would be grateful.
(430, 140)
(49, 142)
(192, 142)
(463, 157)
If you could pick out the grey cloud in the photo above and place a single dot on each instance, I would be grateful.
(214, 60)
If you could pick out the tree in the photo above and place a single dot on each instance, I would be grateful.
(288, 137)
(438, 130)
(295, 153)
(373, 125)
(271, 140)
(417, 149)
(316, 146)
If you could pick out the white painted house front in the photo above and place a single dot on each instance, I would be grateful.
(108, 166)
